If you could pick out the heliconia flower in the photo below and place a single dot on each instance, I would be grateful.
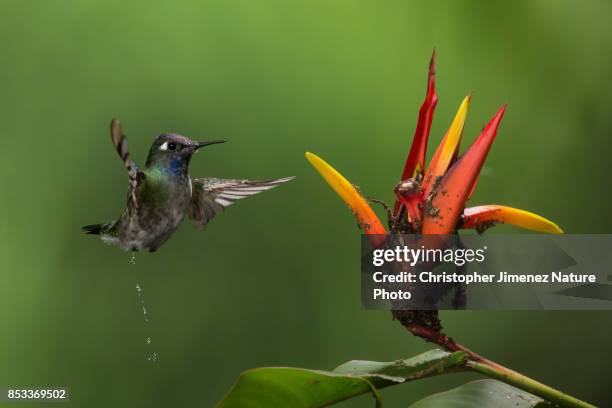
(431, 199)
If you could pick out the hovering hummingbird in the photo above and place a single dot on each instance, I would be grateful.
(162, 193)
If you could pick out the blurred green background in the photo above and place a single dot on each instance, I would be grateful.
(274, 281)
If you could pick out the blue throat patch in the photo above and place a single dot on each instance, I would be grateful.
(175, 166)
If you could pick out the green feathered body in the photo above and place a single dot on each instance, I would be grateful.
(163, 198)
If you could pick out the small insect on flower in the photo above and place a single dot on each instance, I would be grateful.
(431, 199)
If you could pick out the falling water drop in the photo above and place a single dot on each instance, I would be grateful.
(152, 357)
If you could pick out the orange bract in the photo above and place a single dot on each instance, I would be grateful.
(358, 205)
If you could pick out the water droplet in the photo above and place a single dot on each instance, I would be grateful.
(145, 315)
(152, 357)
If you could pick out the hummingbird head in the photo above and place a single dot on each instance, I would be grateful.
(173, 151)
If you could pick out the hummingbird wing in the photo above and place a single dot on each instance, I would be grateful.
(135, 175)
(212, 195)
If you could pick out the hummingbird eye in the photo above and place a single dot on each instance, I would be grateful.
(168, 146)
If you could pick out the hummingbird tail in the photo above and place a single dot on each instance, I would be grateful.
(94, 229)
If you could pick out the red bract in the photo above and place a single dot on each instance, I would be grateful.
(447, 199)
(418, 149)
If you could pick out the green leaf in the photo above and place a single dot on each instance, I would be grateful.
(482, 394)
(296, 387)
(429, 363)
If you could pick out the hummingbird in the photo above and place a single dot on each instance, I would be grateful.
(162, 193)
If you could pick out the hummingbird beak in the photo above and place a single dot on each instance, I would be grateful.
(210, 142)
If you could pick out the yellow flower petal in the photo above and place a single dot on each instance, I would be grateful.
(365, 215)
(484, 216)
(448, 148)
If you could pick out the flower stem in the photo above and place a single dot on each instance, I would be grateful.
(527, 384)
(492, 369)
